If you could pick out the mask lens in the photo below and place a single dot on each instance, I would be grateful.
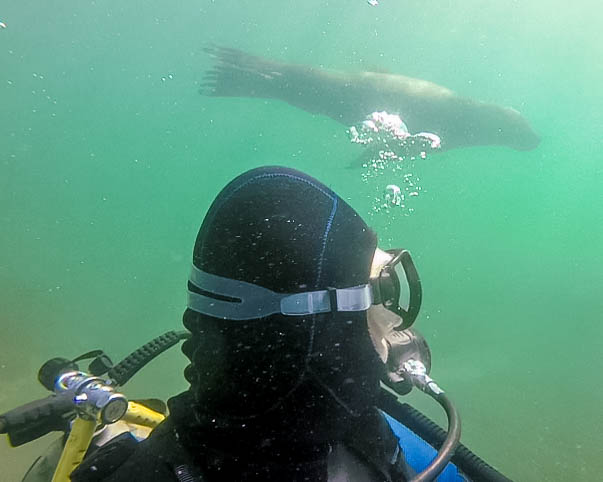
(403, 286)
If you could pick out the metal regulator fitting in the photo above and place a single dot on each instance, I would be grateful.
(94, 397)
(419, 377)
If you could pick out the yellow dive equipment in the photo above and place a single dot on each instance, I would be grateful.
(140, 415)
(97, 403)
(77, 444)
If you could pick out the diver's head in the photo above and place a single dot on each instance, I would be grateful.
(271, 233)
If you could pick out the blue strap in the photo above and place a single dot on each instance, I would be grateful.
(419, 453)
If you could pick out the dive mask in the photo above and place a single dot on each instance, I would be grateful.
(395, 285)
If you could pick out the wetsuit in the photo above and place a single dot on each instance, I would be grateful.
(369, 452)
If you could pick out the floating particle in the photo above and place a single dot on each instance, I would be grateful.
(2, 24)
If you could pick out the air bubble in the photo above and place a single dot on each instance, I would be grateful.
(390, 149)
(392, 195)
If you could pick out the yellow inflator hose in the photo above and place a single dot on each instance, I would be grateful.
(83, 430)
(77, 444)
(141, 415)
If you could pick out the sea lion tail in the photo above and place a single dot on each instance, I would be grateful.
(238, 74)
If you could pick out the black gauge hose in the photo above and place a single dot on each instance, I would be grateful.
(450, 444)
(470, 464)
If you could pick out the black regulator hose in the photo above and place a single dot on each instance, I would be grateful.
(129, 366)
(450, 444)
(35, 419)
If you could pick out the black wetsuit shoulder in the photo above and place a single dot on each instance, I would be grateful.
(369, 453)
(158, 458)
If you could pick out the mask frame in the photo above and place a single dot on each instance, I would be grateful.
(388, 290)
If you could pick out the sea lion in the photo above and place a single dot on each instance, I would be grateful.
(349, 97)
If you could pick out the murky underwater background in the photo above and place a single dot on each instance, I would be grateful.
(109, 159)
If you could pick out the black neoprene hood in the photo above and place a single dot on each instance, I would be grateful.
(283, 230)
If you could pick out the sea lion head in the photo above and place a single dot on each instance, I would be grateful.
(516, 132)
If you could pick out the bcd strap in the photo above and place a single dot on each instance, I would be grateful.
(374, 441)
(106, 460)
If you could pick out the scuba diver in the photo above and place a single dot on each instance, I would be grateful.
(294, 319)
(284, 375)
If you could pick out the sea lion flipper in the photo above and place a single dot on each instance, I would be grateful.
(237, 74)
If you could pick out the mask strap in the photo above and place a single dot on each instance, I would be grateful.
(238, 300)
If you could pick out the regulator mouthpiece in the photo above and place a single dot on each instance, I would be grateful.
(407, 351)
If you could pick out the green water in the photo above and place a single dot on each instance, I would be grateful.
(109, 159)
